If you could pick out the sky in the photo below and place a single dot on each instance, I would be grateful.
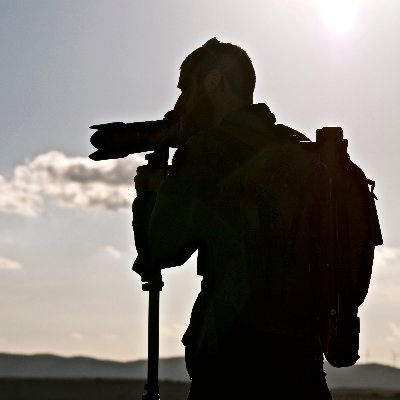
(66, 243)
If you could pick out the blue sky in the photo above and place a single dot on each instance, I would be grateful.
(66, 245)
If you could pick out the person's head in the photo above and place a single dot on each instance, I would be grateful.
(214, 79)
(231, 60)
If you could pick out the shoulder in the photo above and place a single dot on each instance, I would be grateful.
(196, 152)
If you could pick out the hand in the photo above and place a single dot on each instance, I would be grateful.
(148, 179)
(150, 275)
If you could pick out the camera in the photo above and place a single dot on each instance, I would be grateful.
(119, 139)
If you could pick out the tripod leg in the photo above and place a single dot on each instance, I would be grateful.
(151, 386)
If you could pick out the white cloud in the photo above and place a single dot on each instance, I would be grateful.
(390, 339)
(76, 336)
(387, 292)
(386, 255)
(115, 253)
(14, 199)
(385, 280)
(395, 329)
(7, 264)
(71, 182)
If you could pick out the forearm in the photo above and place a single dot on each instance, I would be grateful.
(142, 208)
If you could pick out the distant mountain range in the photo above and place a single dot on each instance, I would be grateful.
(362, 376)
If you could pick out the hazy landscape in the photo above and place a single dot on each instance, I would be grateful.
(124, 389)
(51, 377)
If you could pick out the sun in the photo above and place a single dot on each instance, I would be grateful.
(338, 16)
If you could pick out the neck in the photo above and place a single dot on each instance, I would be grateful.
(226, 106)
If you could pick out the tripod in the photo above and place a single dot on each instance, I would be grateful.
(151, 386)
(157, 160)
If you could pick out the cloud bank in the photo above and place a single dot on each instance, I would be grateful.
(76, 182)
(7, 264)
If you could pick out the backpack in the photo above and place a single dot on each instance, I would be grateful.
(340, 249)
(350, 232)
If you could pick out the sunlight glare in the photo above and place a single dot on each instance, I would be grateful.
(339, 16)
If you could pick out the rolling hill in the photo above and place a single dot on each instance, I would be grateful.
(362, 376)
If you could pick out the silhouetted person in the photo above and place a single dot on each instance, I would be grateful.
(241, 194)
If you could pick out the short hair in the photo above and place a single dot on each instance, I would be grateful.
(234, 62)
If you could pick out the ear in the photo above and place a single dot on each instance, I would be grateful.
(212, 80)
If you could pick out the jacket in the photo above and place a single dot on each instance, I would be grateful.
(245, 196)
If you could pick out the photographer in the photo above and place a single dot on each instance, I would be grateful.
(241, 195)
